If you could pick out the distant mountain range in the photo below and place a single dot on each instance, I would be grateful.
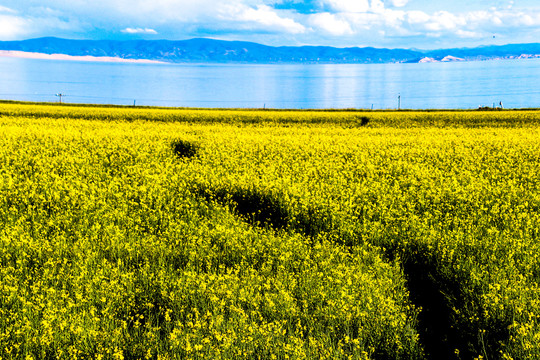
(219, 51)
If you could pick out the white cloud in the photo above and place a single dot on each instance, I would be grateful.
(331, 24)
(443, 20)
(178, 18)
(349, 6)
(262, 17)
(139, 31)
(469, 34)
(471, 25)
(266, 16)
(401, 23)
(13, 27)
(34, 22)
(372, 19)
(399, 3)
(377, 6)
(417, 17)
(4, 9)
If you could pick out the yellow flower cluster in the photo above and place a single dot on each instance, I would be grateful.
(279, 235)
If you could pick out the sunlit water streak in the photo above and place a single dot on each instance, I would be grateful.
(419, 86)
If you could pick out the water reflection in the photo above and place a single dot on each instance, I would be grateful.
(435, 85)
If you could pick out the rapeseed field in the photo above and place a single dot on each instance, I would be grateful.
(133, 233)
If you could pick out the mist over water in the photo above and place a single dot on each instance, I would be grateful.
(456, 85)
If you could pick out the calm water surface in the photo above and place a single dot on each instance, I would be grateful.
(431, 85)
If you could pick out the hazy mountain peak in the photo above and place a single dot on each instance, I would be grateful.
(203, 50)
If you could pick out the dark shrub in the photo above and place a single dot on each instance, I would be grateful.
(364, 120)
(184, 149)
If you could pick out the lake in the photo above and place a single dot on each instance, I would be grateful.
(454, 85)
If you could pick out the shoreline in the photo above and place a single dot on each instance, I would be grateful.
(63, 57)
(319, 110)
(111, 59)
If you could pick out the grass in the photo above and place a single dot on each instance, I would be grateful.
(198, 234)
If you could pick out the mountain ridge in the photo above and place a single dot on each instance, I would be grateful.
(204, 50)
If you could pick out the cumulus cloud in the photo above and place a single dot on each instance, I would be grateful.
(469, 34)
(443, 20)
(35, 21)
(139, 31)
(417, 17)
(180, 16)
(263, 17)
(279, 22)
(478, 23)
(399, 3)
(13, 27)
(331, 24)
(349, 6)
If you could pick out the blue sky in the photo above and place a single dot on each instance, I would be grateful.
(420, 24)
